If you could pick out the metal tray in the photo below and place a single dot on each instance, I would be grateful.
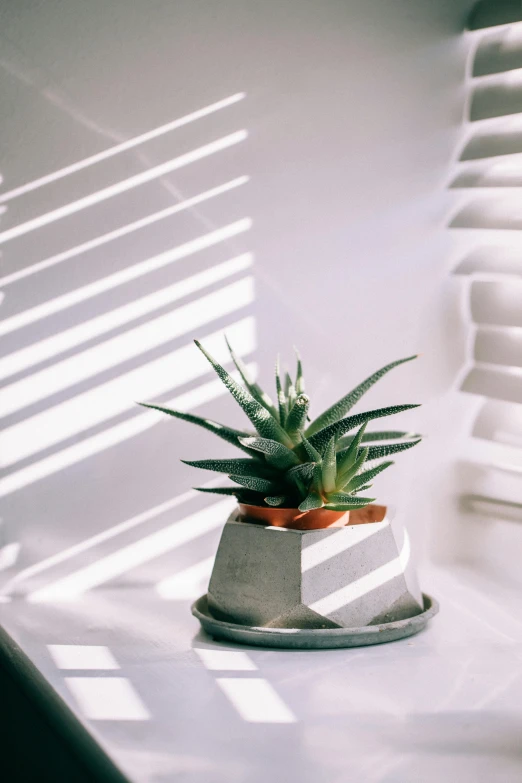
(313, 638)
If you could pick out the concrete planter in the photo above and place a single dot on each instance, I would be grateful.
(337, 577)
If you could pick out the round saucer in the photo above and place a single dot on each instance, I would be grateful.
(313, 638)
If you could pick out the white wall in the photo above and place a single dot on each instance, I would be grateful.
(353, 111)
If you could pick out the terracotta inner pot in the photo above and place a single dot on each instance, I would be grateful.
(311, 520)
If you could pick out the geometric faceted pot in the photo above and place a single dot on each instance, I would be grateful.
(336, 577)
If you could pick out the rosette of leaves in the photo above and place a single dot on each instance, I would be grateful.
(290, 460)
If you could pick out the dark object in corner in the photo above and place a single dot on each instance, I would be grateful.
(42, 742)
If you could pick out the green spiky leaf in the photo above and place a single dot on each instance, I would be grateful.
(281, 396)
(243, 467)
(264, 422)
(296, 418)
(256, 484)
(339, 428)
(243, 495)
(347, 506)
(276, 454)
(346, 458)
(389, 435)
(356, 483)
(311, 501)
(227, 433)
(377, 452)
(312, 453)
(303, 472)
(317, 479)
(299, 380)
(290, 391)
(369, 437)
(255, 390)
(342, 498)
(344, 476)
(275, 501)
(342, 406)
(220, 490)
(329, 467)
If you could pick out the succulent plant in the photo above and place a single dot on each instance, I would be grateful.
(291, 461)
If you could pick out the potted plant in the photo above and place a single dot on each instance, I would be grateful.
(305, 549)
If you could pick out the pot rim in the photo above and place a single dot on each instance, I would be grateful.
(302, 513)
(283, 508)
(294, 509)
(291, 509)
(315, 519)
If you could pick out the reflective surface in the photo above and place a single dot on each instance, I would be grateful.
(168, 703)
